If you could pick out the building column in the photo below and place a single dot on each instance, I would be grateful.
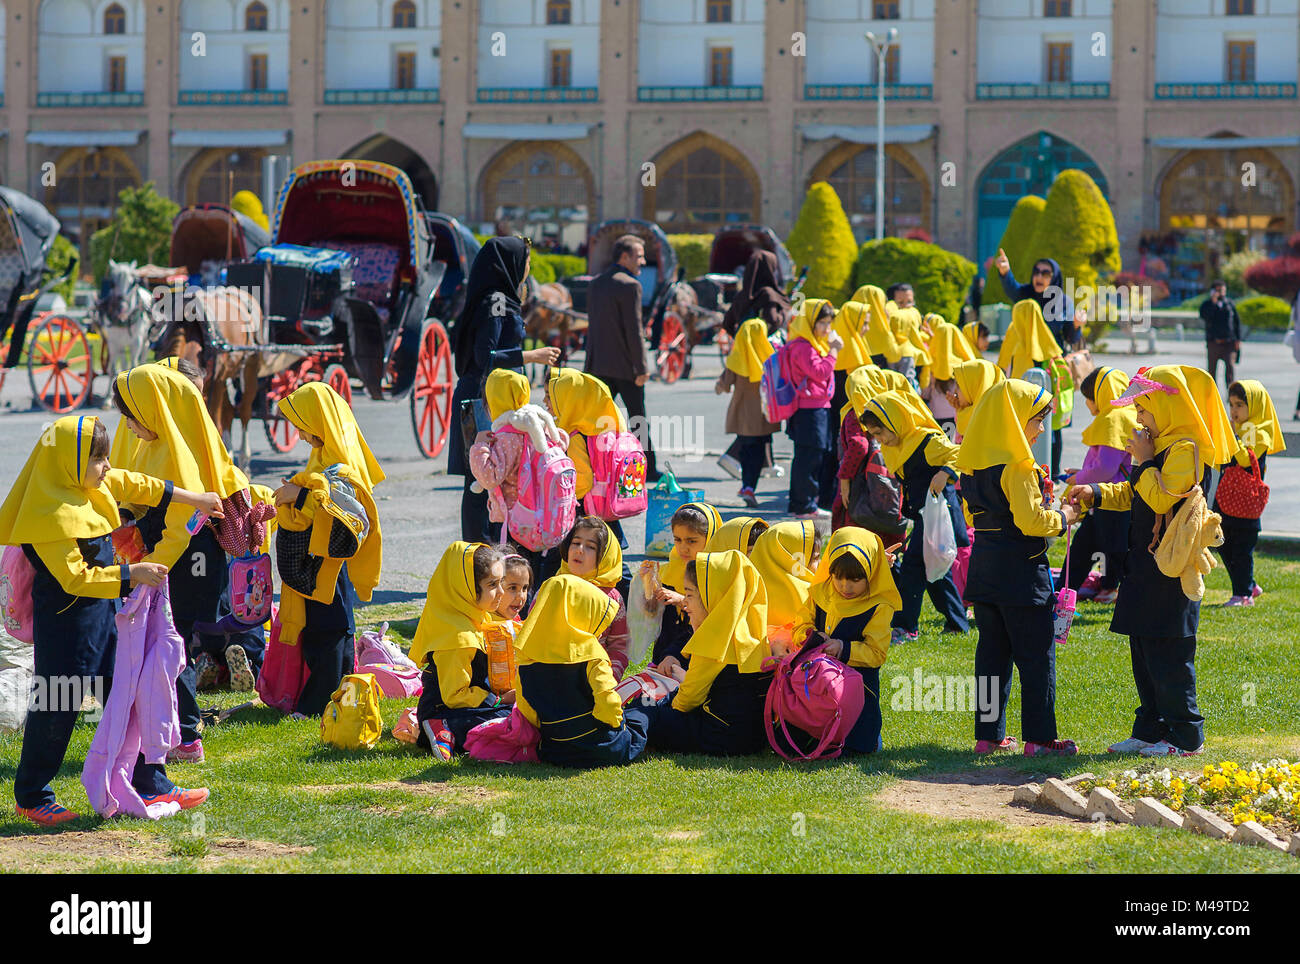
(306, 77)
(456, 88)
(619, 190)
(955, 209)
(20, 87)
(1132, 48)
(782, 87)
(161, 42)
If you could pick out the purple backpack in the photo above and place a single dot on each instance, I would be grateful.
(777, 392)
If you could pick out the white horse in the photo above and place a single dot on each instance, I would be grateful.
(125, 316)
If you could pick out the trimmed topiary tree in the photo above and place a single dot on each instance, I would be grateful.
(1264, 312)
(1280, 276)
(823, 240)
(692, 252)
(939, 277)
(1015, 242)
(141, 230)
(1077, 230)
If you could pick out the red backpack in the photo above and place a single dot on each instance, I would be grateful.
(816, 694)
(1242, 493)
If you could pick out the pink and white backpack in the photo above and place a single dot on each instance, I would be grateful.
(547, 503)
(618, 469)
(817, 695)
(17, 575)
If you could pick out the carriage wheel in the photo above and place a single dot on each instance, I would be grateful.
(280, 432)
(671, 356)
(336, 377)
(59, 365)
(431, 396)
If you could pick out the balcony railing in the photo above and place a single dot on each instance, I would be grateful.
(232, 98)
(1052, 91)
(1224, 91)
(867, 91)
(92, 98)
(419, 95)
(537, 95)
(746, 92)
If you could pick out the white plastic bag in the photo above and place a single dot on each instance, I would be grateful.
(940, 545)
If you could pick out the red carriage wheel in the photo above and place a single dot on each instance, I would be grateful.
(280, 432)
(336, 377)
(59, 364)
(671, 356)
(431, 396)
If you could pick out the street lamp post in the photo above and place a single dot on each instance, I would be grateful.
(880, 46)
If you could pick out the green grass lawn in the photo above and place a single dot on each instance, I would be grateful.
(283, 801)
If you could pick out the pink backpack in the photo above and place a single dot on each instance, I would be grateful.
(17, 575)
(284, 672)
(507, 739)
(618, 470)
(396, 675)
(547, 503)
(251, 589)
(817, 695)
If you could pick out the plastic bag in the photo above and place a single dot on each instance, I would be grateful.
(940, 545)
(644, 614)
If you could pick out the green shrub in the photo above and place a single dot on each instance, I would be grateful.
(140, 231)
(940, 278)
(61, 254)
(564, 265)
(1233, 272)
(542, 270)
(1015, 242)
(823, 240)
(1194, 302)
(1265, 312)
(692, 252)
(1077, 230)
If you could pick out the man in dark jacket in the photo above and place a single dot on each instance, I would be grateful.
(1222, 332)
(1047, 287)
(616, 351)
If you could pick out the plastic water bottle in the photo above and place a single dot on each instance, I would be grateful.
(1063, 615)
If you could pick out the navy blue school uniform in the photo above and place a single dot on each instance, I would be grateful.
(674, 633)
(915, 476)
(1102, 532)
(810, 431)
(865, 737)
(459, 720)
(573, 734)
(1239, 539)
(728, 723)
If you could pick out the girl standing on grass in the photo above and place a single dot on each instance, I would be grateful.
(858, 449)
(813, 347)
(741, 375)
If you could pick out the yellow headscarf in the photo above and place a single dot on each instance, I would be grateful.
(1260, 414)
(674, 570)
(801, 326)
(906, 326)
(996, 433)
(505, 391)
(1112, 426)
(866, 547)
(880, 336)
(565, 623)
(971, 332)
(317, 409)
(974, 378)
(849, 322)
(188, 450)
(734, 631)
(1028, 340)
(750, 350)
(452, 618)
(783, 557)
(49, 501)
(948, 349)
(1196, 412)
(907, 417)
(734, 534)
(868, 380)
(609, 567)
(582, 404)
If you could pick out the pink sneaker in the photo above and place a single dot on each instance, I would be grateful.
(1256, 591)
(1106, 597)
(983, 747)
(186, 753)
(1236, 601)
(441, 743)
(1055, 748)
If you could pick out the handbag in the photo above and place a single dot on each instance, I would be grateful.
(1066, 600)
(1242, 493)
(876, 499)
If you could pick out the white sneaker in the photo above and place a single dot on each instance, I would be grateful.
(774, 472)
(1165, 748)
(730, 464)
(1131, 745)
(815, 514)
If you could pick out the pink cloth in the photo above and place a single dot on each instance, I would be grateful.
(813, 375)
(617, 638)
(140, 715)
(961, 565)
(1104, 464)
(243, 529)
(494, 461)
(510, 739)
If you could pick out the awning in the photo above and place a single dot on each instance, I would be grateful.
(116, 138)
(866, 133)
(1225, 143)
(254, 138)
(527, 132)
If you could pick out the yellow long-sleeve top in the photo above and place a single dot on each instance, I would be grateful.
(63, 557)
(1160, 488)
(607, 706)
(694, 690)
(1021, 484)
(871, 649)
(456, 678)
(582, 466)
(941, 453)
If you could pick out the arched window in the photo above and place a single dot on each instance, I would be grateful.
(85, 189)
(115, 19)
(537, 182)
(217, 174)
(404, 14)
(851, 170)
(703, 183)
(255, 16)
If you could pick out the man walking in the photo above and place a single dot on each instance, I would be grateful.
(1222, 332)
(616, 352)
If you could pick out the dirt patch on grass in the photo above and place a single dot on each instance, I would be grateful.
(75, 850)
(680, 835)
(973, 795)
(234, 848)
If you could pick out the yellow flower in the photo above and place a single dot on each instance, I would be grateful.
(1217, 782)
(1133, 785)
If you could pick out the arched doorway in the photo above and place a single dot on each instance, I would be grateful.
(1027, 167)
(543, 189)
(386, 150)
(1207, 213)
(84, 194)
(851, 170)
(215, 175)
(702, 183)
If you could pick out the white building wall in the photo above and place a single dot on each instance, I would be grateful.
(673, 41)
(1192, 39)
(1013, 38)
(73, 50)
(521, 58)
(215, 47)
(360, 44)
(838, 52)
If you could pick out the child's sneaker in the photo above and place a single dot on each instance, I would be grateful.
(188, 799)
(898, 636)
(814, 514)
(1256, 591)
(1055, 748)
(241, 673)
(1165, 748)
(749, 498)
(1008, 743)
(441, 742)
(47, 814)
(729, 464)
(1131, 745)
(1236, 601)
(186, 753)
(206, 671)
(773, 472)
(1090, 586)
(1106, 597)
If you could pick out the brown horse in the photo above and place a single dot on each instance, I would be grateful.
(549, 317)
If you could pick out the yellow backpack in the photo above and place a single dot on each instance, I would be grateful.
(352, 720)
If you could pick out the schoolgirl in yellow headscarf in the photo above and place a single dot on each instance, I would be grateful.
(869, 550)
(452, 618)
(734, 630)
(674, 570)
(566, 622)
(973, 379)
(1112, 427)
(880, 337)
(583, 407)
(849, 323)
(1261, 432)
(738, 533)
(908, 418)
(804, 322)
(996, 432)
(906, 325)
(504, 391)
(609, 568)
(971, 332)
(948, 349)
(1185, 404)
(783, 556)
(1028, 341)
(750, 350)
(868, 380)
